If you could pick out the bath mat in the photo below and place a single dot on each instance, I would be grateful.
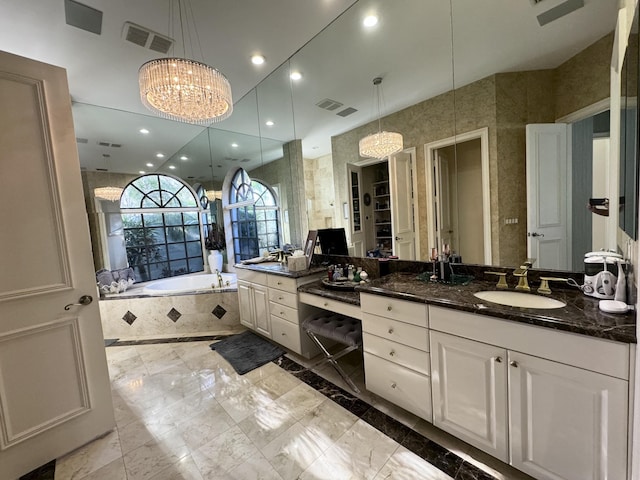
(110, 341)
(246, 351)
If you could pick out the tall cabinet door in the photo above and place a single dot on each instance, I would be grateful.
(470, 391)
(245, 299)
(261, 310)
(566, 423)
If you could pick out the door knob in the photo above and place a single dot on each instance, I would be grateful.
(398, 238)
(83, 300)
(513, 363)
(535, 234)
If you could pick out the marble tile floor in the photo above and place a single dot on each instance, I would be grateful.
(183, 413)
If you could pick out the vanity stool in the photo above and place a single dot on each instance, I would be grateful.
(340, 329)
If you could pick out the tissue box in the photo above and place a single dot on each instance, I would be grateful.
(296, 264)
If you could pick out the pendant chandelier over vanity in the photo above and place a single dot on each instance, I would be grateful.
(380, 144)
(185, 90)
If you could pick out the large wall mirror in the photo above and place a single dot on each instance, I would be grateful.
(463, 87)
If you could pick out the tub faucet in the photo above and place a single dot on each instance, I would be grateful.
(220, 283)
(521, 273)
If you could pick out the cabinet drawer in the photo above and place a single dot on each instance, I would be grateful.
(284, 312)
(410, 312)
(283, 298)
(416, 337)
(409, 357)
(336, 306)
(251, 276)
(282, 283)
(286, 334)
(399, 385)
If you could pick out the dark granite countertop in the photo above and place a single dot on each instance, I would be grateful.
(581, 314)
(317, 288)
(280, 269)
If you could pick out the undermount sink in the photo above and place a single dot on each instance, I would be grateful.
(518, 299)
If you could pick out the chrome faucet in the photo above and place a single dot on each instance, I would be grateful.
(521, 273)
(220, 283)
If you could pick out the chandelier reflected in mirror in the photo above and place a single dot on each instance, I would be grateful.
(111, 194)
(185, 90)
(380, 144)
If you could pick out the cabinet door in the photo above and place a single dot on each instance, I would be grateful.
(470, 391)
(566, 423)
(245, 299)
(261, 310)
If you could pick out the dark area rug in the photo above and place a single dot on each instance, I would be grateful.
(246, 351)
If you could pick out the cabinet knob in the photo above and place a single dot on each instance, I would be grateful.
(389, 308)
(498, 359)
(282, 313)
(390, 331)
(514, 364)
(279, 283)
(283, 334)
(326, 304)
(280, 297)
(393, 385)
(392, 353)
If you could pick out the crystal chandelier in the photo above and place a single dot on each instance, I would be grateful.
(380, 144)
(112, 194)
(185, 90)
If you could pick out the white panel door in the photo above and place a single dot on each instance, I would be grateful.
(547, 195)
(402, 207)
(245, 300)
(566, 423)
(54, 385)
(261, 310)
(469, 387)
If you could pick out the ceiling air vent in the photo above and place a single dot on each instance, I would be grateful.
(104, 144)
(146, 38)
(244, 160)
(328, 104)
(102, 170)
(346, 112)
(83, 17)
(82, 140)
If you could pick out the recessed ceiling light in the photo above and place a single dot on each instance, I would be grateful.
(295, 76)
(257, 59)
(269, 123)
(144, 131)
(142, 172)
(234, 145)
(172, 167)
(370, 21)
(149, 165)
(184, 157)
(160, 155)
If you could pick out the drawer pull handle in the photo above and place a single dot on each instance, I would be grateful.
(393, 385)
(392, 353)
(280, 297)
(390, 331)
(498, 359)
(514, 364)
(389, 308)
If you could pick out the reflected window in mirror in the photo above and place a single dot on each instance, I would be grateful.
(161, 220)
(254, 217)
(627, 219)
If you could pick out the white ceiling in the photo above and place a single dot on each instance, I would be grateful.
(411, 48)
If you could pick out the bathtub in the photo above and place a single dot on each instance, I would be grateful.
(173, 307)
(207, 282)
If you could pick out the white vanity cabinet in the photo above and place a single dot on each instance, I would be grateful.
(563, 410)
(396, 352)
(253, 301)
(270, 305)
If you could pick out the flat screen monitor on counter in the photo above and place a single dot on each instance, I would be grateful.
(333, 241)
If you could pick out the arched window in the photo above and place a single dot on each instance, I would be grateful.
(161, 220)
(254, 217)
